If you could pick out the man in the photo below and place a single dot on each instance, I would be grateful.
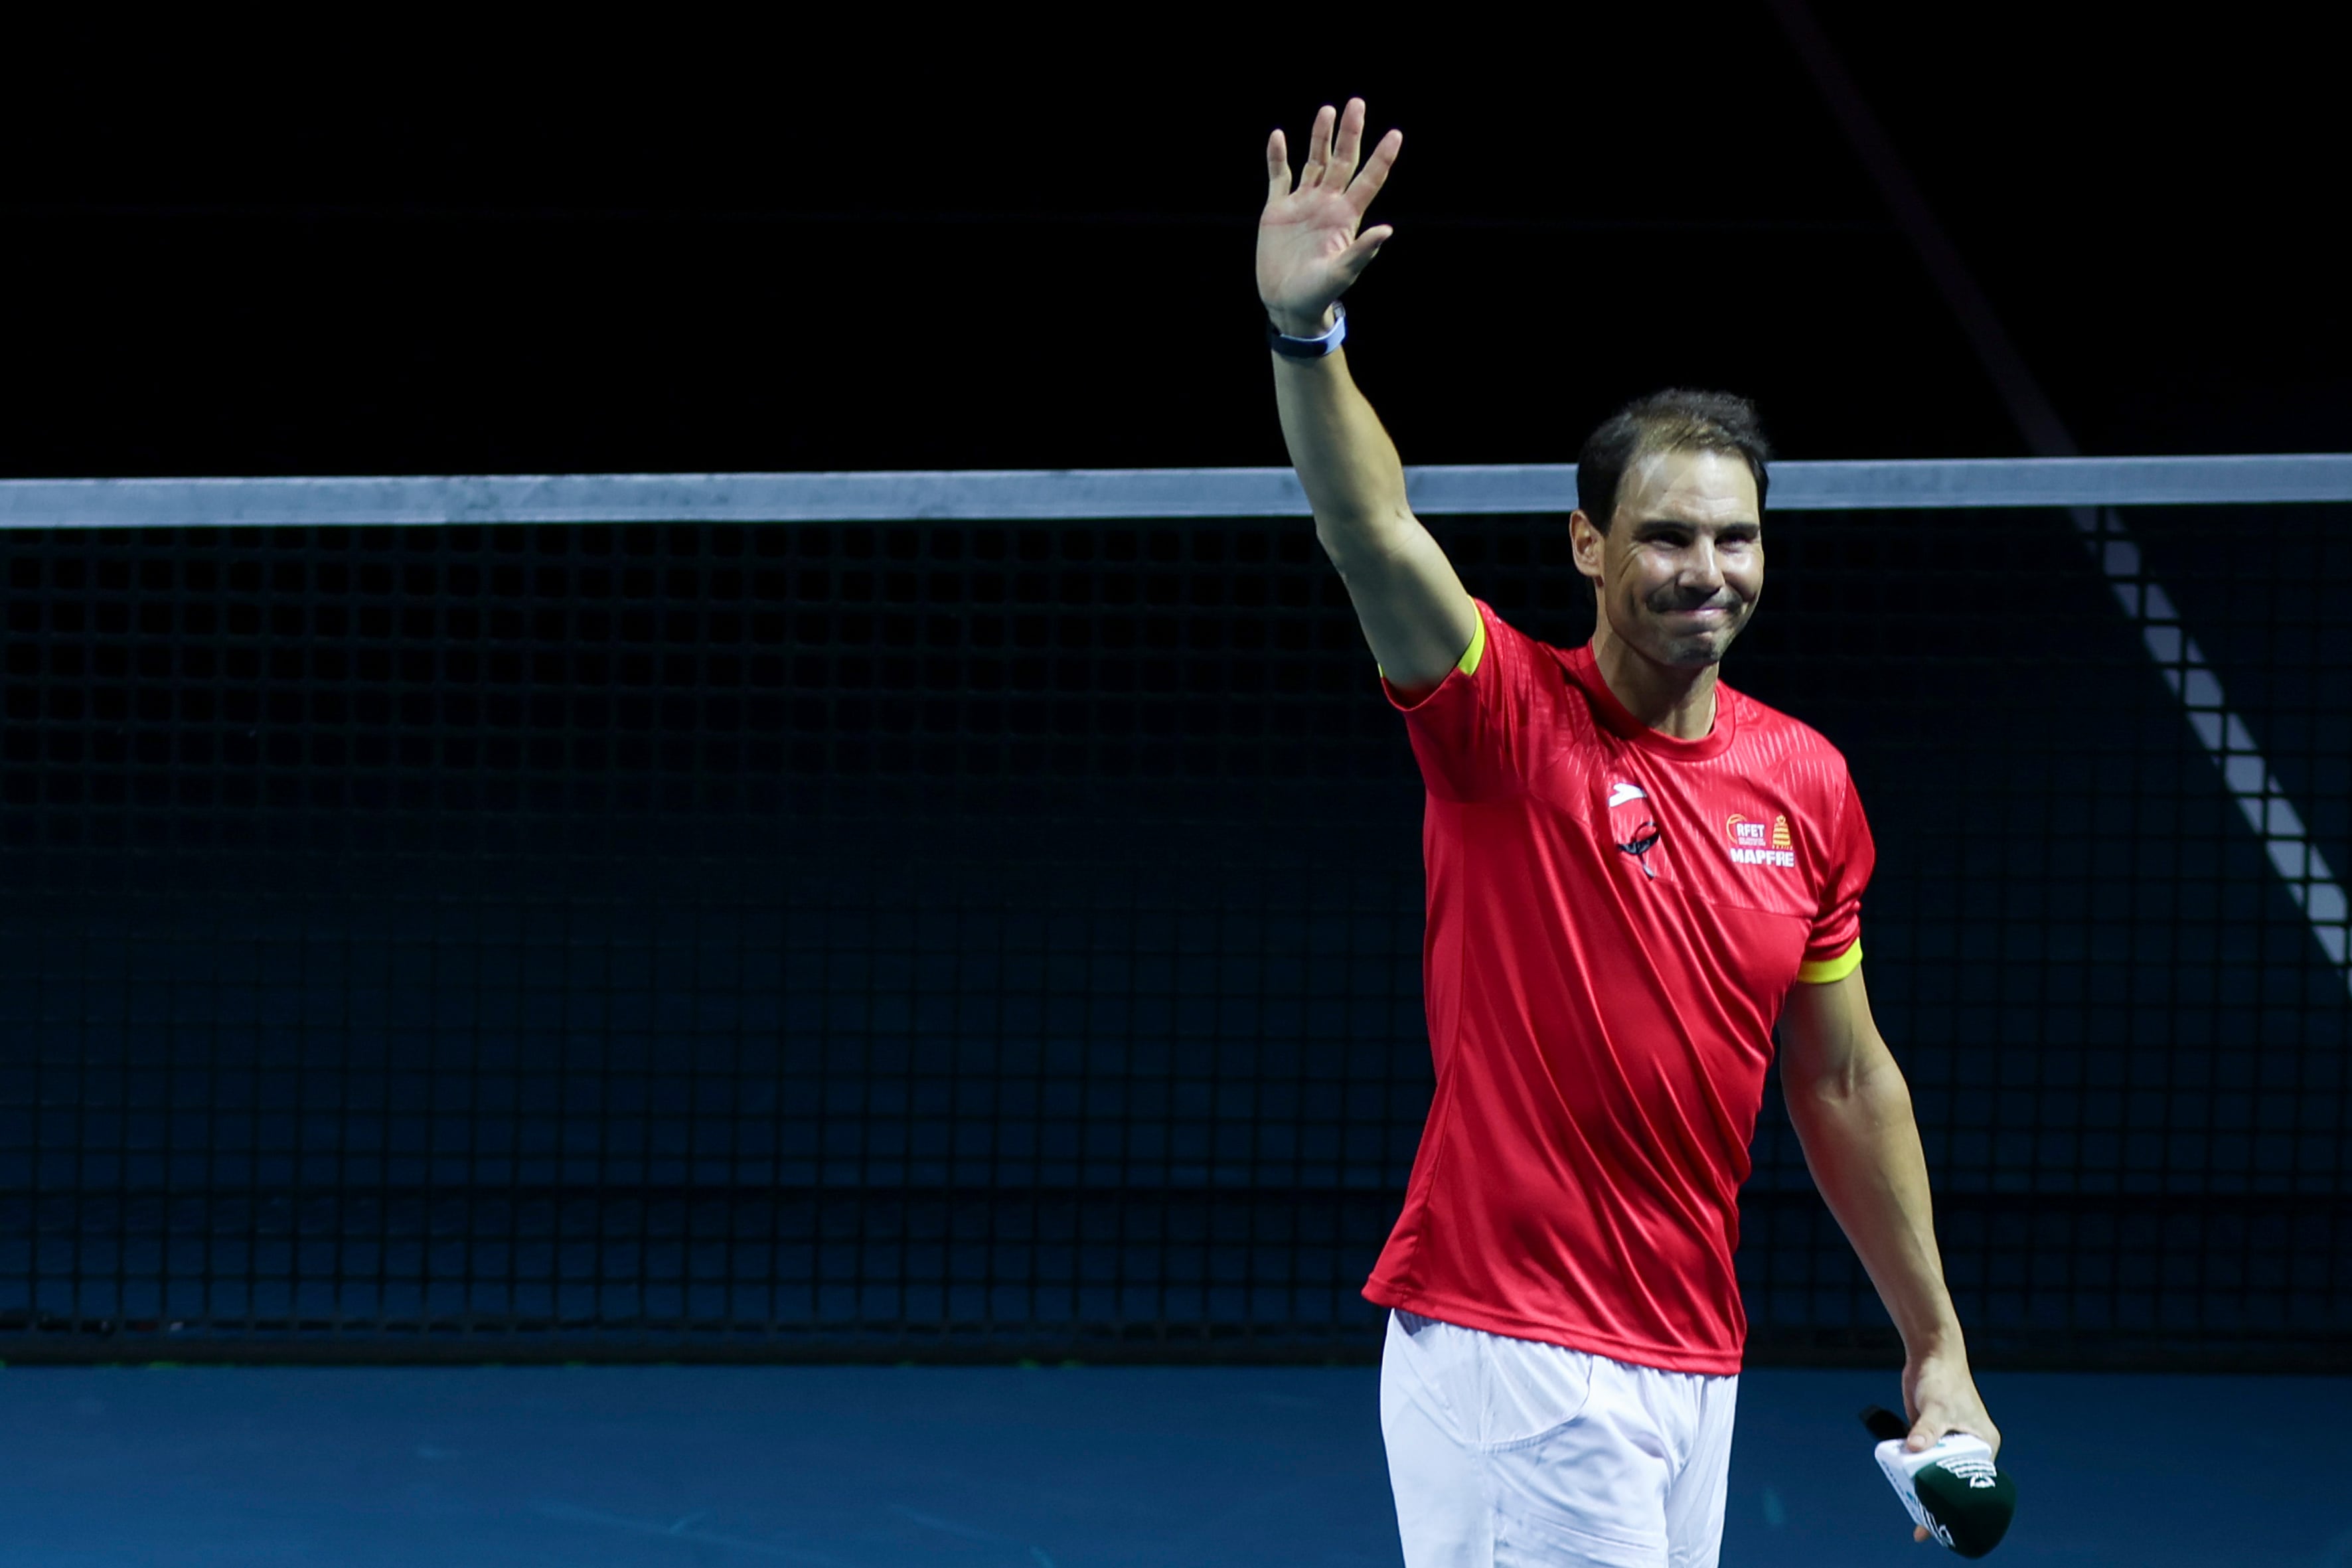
(1634, 871)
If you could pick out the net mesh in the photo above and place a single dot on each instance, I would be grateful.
(984, 941)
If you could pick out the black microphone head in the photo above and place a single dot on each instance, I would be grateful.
(1968, 1501)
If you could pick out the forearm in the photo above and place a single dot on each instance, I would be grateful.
(1862, 1142)
(1417, 620)
(1345, 459)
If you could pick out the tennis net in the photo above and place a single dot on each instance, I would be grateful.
(965, 935)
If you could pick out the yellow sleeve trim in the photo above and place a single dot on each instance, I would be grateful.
(1468, 663)
(1821, 971)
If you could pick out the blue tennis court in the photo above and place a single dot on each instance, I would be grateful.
(1045, 1468)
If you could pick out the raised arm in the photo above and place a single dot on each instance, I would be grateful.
(1411, 606)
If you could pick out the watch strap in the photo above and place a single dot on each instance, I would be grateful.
(1309, 347)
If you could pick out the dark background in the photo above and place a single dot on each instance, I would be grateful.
(849, 244)
(918, 941)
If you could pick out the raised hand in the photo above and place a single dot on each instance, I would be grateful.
(1308, 246)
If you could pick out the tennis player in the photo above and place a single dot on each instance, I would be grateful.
(1633, 873)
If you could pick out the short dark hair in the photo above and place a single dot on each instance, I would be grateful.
(1674, 420)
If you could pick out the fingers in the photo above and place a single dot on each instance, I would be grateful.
(1351, 263)
(1278, 167)
(1318, 148)
(1334, 147)
(1937, 1422)
(1376, 171)
(1350, 144)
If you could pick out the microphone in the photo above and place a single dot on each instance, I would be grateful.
(1953, 1490)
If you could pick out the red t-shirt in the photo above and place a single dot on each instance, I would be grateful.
(1615, 918)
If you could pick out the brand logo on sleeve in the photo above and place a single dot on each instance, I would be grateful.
(1755, 842)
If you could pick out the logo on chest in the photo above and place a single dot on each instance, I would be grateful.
(1755, 842)
(1631, 826)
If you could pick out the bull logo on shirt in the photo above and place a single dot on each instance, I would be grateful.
(1639, 828)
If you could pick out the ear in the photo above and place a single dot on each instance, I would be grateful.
(1587, 542)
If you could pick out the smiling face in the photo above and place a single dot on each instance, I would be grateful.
(1681, 566)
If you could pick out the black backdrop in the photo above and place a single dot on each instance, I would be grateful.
(417, 250)
(886, 940)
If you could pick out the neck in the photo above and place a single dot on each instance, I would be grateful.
(1669, 699)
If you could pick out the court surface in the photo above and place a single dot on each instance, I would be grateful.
(1045, 1467)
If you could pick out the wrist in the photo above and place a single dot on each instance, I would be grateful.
(1938, 1342)
(1304, 345)
(1291, 324)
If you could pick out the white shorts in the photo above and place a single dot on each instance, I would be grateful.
(1507, 1453)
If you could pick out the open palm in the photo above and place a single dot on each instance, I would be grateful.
(1308, 246)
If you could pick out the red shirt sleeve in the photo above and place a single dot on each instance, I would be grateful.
(1837, 928)
(1473, 734)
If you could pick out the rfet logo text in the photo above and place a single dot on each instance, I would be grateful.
(1755, 842)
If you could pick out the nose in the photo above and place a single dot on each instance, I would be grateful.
(1702, 567)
